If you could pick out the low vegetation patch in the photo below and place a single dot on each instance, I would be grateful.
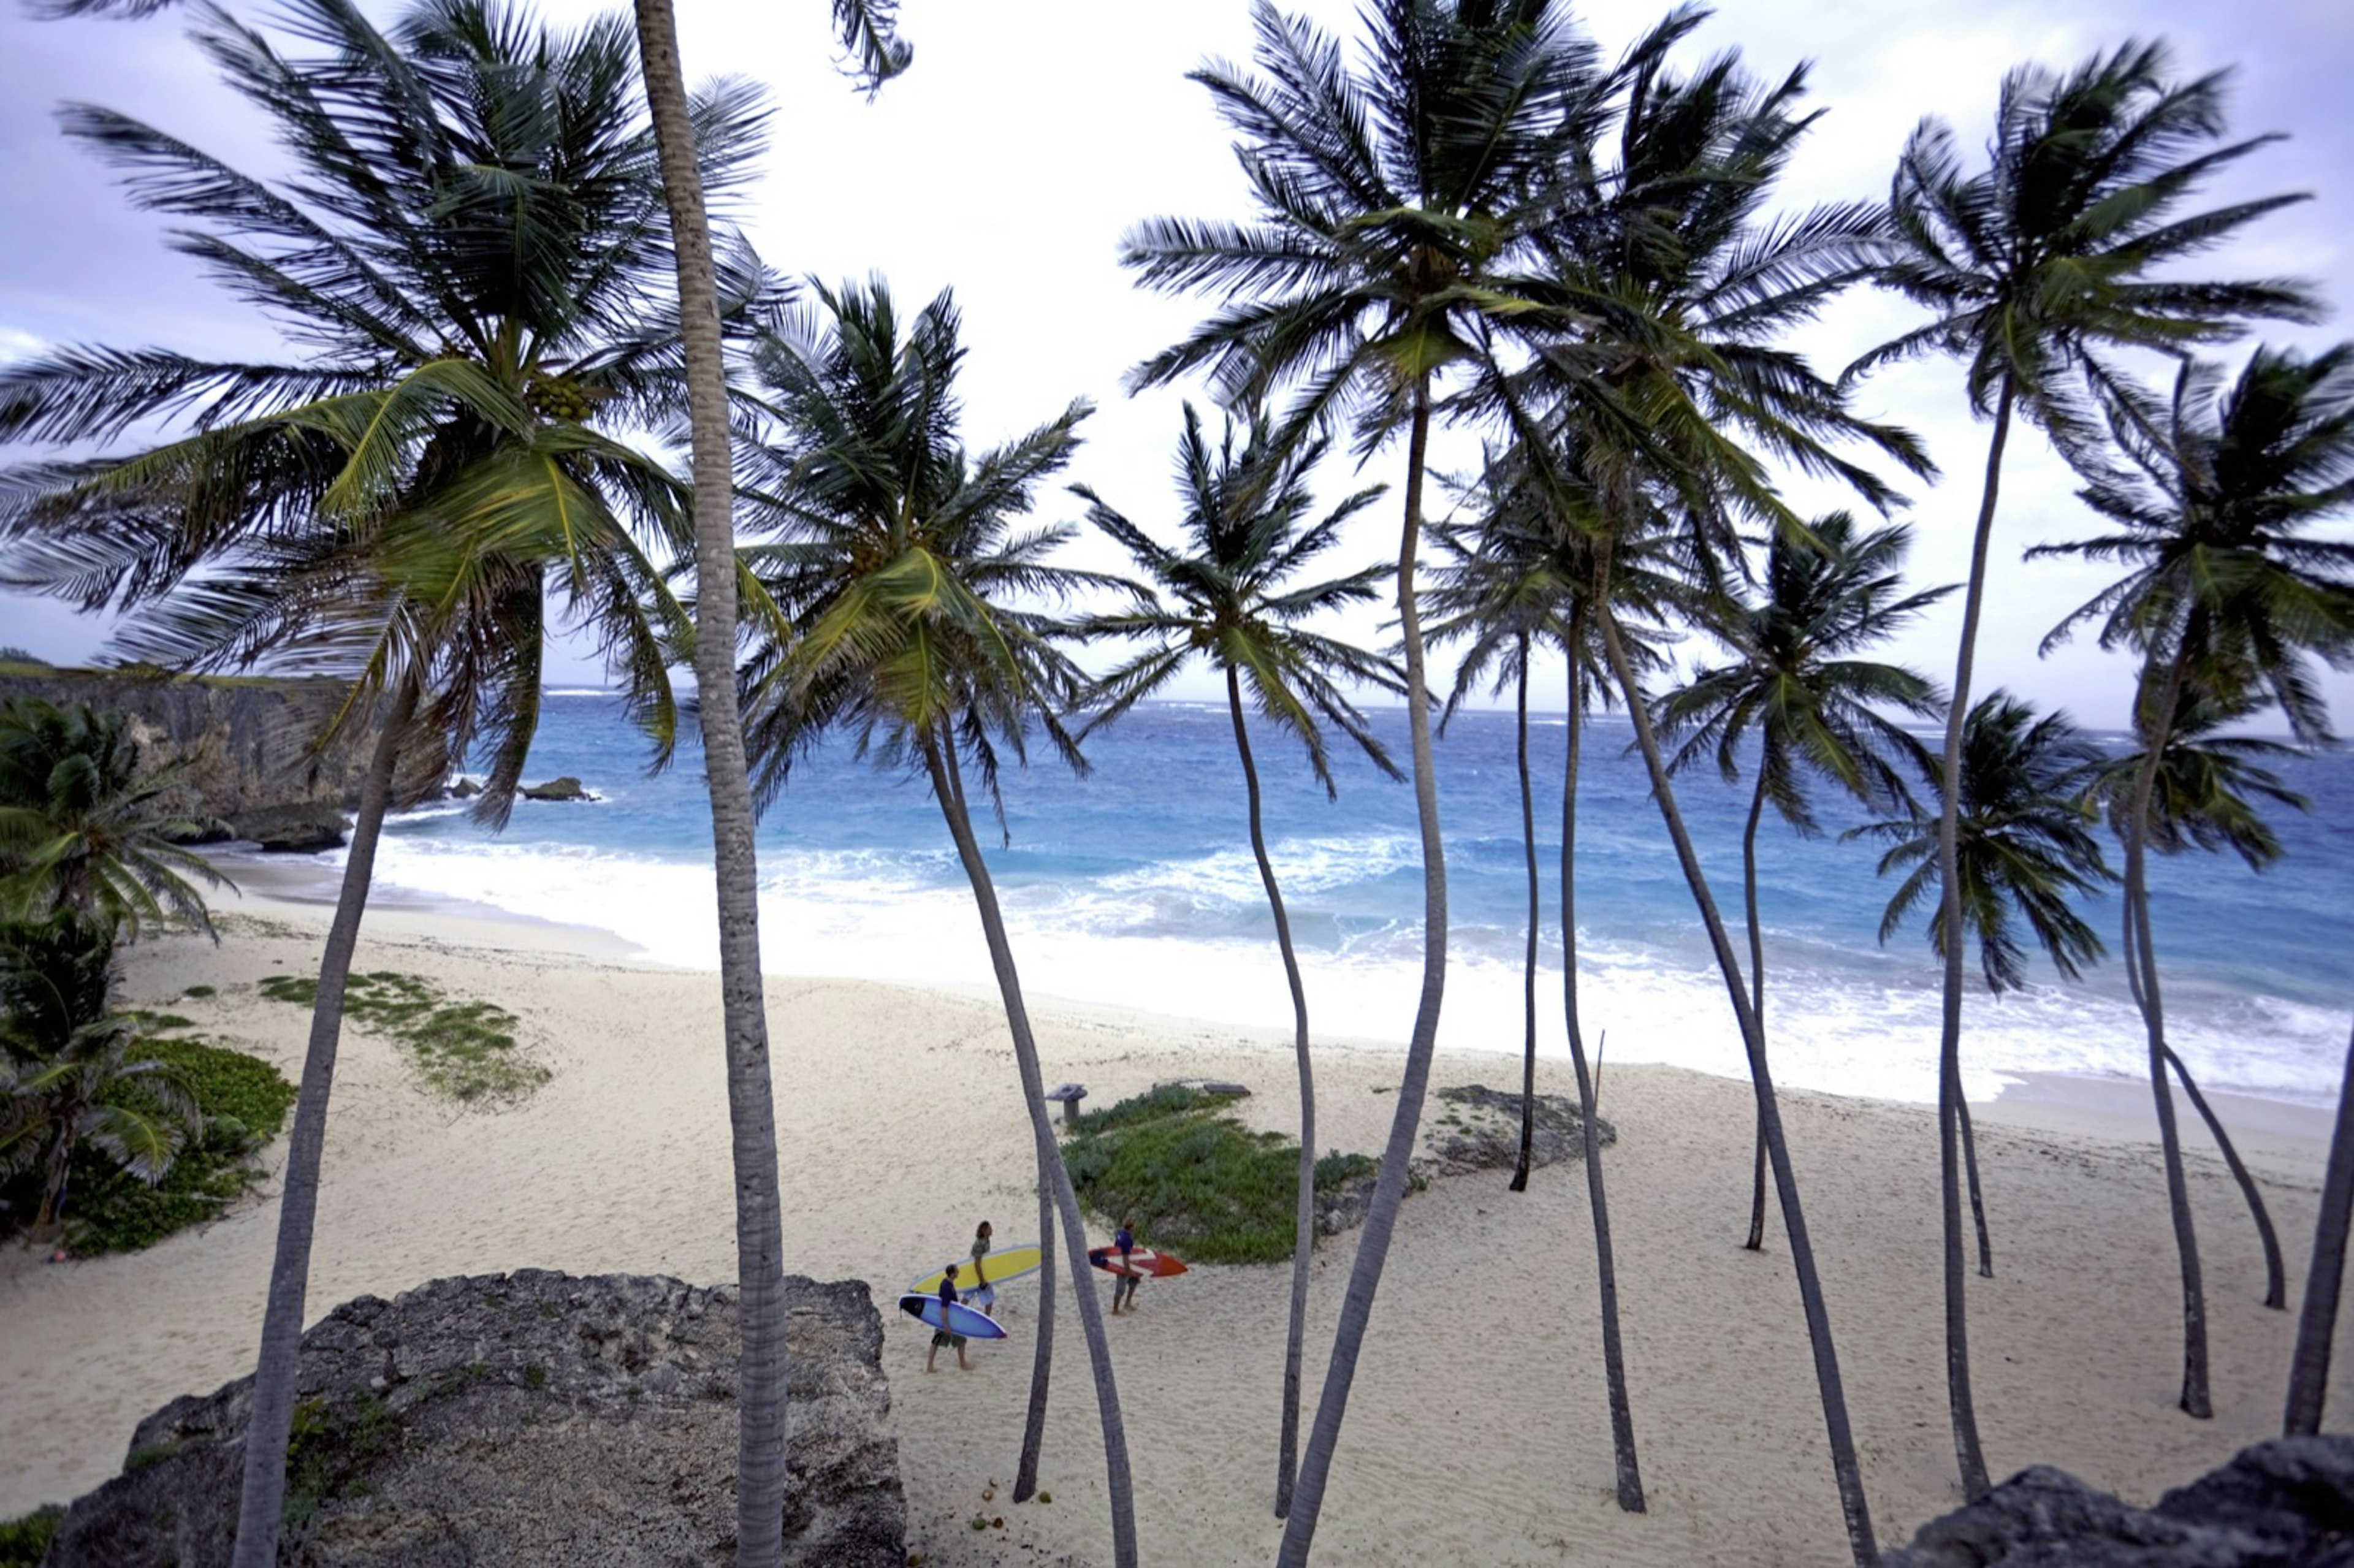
(24, 1541)
(464, 1051)
(243, 1101)
(1189, 1176)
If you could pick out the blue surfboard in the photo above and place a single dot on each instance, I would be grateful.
(962, 1320)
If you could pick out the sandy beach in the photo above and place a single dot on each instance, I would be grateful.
(1477, 1432)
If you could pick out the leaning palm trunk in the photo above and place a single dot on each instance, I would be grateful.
(1968, 1455)
(939, 761)
(262, 1494)
(1852, 1505)
(1303, 1218)
(1389, 1186)
(1520, 1182)
(2194, 1401)
(2317, 1324)
(751, 1096)
(1756, 1241)
(1605, 1268)
(1042, 1359)
(2275, 1271)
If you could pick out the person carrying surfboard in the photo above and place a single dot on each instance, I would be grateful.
(941, 1336)
(982, 1295)
(1124, 1283)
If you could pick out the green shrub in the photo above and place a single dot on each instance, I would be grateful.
(1191, 1178)
(24, 1541)
(243, 1101)
(463, 1050)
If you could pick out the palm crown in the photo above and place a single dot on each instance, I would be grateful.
(470, 258)
(885, 595)
(1229, 595)
(1814, 707)
(2026, 845)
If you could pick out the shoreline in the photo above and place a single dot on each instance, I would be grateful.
(1473, 1422)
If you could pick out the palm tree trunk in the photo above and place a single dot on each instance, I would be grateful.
(2156, 726)
(2317, 1324)
(1968, 1456)
(1520, 1182)
(261, 1493)
(1756, 1242)
(2275, 1274)
(1852, 1505)
(760, 1473)
(1042, 1359)
(1389, 1186)
(948, 788)
(1303, 1218)
(1970, 1170)
(1589, 1097)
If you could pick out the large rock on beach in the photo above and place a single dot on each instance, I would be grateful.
(2288, 1503)
(1483, 1130)
(532, 1418)
(292, 830)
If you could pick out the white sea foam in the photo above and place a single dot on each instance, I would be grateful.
(1858, 1026)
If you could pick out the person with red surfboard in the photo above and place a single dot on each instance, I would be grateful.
(1124, 1283)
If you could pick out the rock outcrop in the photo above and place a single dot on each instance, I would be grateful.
(532, 1418)
(1478, 1128)
(2289, 1503)
(565, 789)
(248, 741)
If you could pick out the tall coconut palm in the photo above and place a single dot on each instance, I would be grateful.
(2229, 597)
(1397, 197)
(467, 257)
(1528, 562)
(894, 560)
(1816, 709)
(2316, 1322)
(682, 138)
(2205, 797)
(89, 826)
(2027, 846)
(1230, 598)
(1668, 400)
(2037, 268)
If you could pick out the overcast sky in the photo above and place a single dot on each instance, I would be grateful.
(1029, 136)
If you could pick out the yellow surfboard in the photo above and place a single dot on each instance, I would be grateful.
(1002, 1264)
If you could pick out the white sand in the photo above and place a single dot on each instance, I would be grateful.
(1477, 1432)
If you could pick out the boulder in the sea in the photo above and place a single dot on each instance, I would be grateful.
(465, 790)
(304, 829)
(565, 789)
(2287, 1503)
(532, 1418)
(1481, 1131)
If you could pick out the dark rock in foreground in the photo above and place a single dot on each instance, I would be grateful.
(533, 1419)
(2289, 1503)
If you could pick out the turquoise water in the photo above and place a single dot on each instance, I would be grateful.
(1135, 886)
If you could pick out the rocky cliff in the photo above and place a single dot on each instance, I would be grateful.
(2289, 1503)
(250, 740)
(528, 1418)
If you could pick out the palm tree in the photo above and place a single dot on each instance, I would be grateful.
(1529, 563)
(1246, 533)
(2027, 846)
(682, 138)
(87, 827)
(2037, 268)
(56, 976)
(1818, 711)
(2204, 797)
(100, 1092)
(886, 614)
(2229, 600)
(1665, 402)
(1397, 198)
(468, 255)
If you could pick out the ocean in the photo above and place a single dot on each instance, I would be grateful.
(1135, 886)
